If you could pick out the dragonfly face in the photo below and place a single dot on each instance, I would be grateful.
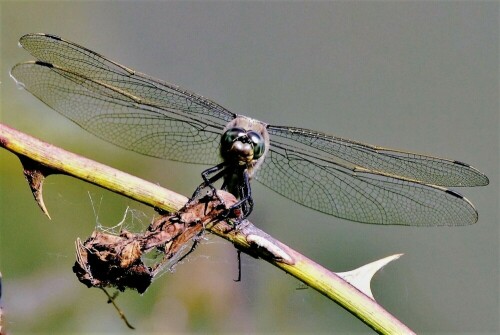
(245, 142)
(341, 177)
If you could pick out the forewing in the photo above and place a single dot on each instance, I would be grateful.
(118, 118)
(120, 105)
(302, 167)
(357, 155)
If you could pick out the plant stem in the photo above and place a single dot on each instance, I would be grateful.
(57, 160)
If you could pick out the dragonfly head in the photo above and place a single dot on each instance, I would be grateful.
(241, 146)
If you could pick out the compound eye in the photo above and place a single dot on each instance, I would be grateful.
(231, 135)
(258, 144)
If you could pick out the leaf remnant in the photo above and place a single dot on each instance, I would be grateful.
(109, 260)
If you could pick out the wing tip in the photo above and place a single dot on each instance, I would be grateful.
(474, 217)
(28, 36)
(481, 178)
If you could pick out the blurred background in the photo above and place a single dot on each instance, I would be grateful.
(421, 76)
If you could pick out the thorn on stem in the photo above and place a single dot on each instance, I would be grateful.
(35, 174)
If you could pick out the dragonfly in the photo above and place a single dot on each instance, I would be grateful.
(337, 176)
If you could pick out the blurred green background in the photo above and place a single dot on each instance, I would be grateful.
(422, 76)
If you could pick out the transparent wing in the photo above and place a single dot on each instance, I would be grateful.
(357, 155)
(364, 183)
(120, 105)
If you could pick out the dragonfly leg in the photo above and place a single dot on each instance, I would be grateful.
(240, 190)
(239, 266)
(209, 181)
